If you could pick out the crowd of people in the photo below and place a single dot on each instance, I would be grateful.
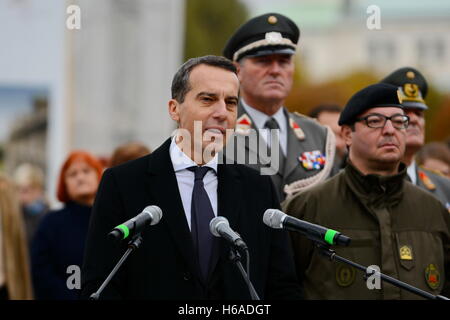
(363, 169)
(39, 244)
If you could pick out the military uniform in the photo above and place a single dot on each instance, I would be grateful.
(310, 148)
(413, 89)
(434, 183)
(393, 224)
(309, 158)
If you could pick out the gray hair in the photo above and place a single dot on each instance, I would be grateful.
(180, 82)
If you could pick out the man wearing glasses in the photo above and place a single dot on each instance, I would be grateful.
(393, 224)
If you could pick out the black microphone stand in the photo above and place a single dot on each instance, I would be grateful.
(236, 258)
(331, 254)
(132, 245)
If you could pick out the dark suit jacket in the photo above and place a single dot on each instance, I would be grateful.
(164, 266)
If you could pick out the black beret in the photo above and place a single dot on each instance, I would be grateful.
(373, 96)
(412, 84)
(266, 34)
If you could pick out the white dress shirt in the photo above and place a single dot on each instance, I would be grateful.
(260, 120)
(185, 179)
(412, 173)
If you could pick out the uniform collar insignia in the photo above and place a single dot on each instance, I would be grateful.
(243, 124)
(426, 181)
(297, 130)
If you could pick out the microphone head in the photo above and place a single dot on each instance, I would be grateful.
(215, 223)
(155, 212)
(273, 218)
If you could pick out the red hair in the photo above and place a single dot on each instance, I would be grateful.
(92, 161)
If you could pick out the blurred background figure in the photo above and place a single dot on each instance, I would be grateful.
(15, 279)
(29, 180)
(328, 115)
(435, 156)
(412, 91)
(60, 238)
(128, 151)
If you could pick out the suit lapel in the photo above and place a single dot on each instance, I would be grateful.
(163, 186)
(294, 150)
(252, 147)
(258, 143)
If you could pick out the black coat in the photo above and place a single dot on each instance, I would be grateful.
(57, 247)
(164, 266)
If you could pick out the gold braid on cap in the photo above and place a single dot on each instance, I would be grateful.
(261, 43)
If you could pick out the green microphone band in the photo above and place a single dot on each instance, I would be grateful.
(329, 236)
(124, 228)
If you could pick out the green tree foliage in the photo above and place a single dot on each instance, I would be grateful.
(209, 24)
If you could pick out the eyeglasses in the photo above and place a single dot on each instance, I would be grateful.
(376, 120)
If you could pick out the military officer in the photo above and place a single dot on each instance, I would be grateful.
(296, 151)
(413, 88)
(394, 225)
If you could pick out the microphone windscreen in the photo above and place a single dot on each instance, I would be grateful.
(215, 223)
(273, 218)
(155, 212)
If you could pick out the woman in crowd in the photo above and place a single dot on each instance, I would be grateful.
(58, 246)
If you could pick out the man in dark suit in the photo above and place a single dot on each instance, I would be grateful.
(179, 258)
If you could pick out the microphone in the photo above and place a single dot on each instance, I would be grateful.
(279, 220)
(149, 216)
(220, 227)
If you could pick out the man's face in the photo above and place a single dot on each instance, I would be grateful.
(376, 148)
(210, 104)
(415, 134)
(331, 119)
(266, 77)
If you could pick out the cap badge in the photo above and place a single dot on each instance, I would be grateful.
(432, 276)
(411, 90)
(274, 37)
(272, 20)
(312, 160)
(243, 124)
(406, 253)
(297, 130)
(410, 75)
(426, 181)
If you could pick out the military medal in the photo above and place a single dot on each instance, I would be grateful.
(243, 124)
(297, 130)
(432, 276)
(426, 181)
(312, 160)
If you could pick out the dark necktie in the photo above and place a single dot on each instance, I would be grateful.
(273, 124)
(201, 214)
